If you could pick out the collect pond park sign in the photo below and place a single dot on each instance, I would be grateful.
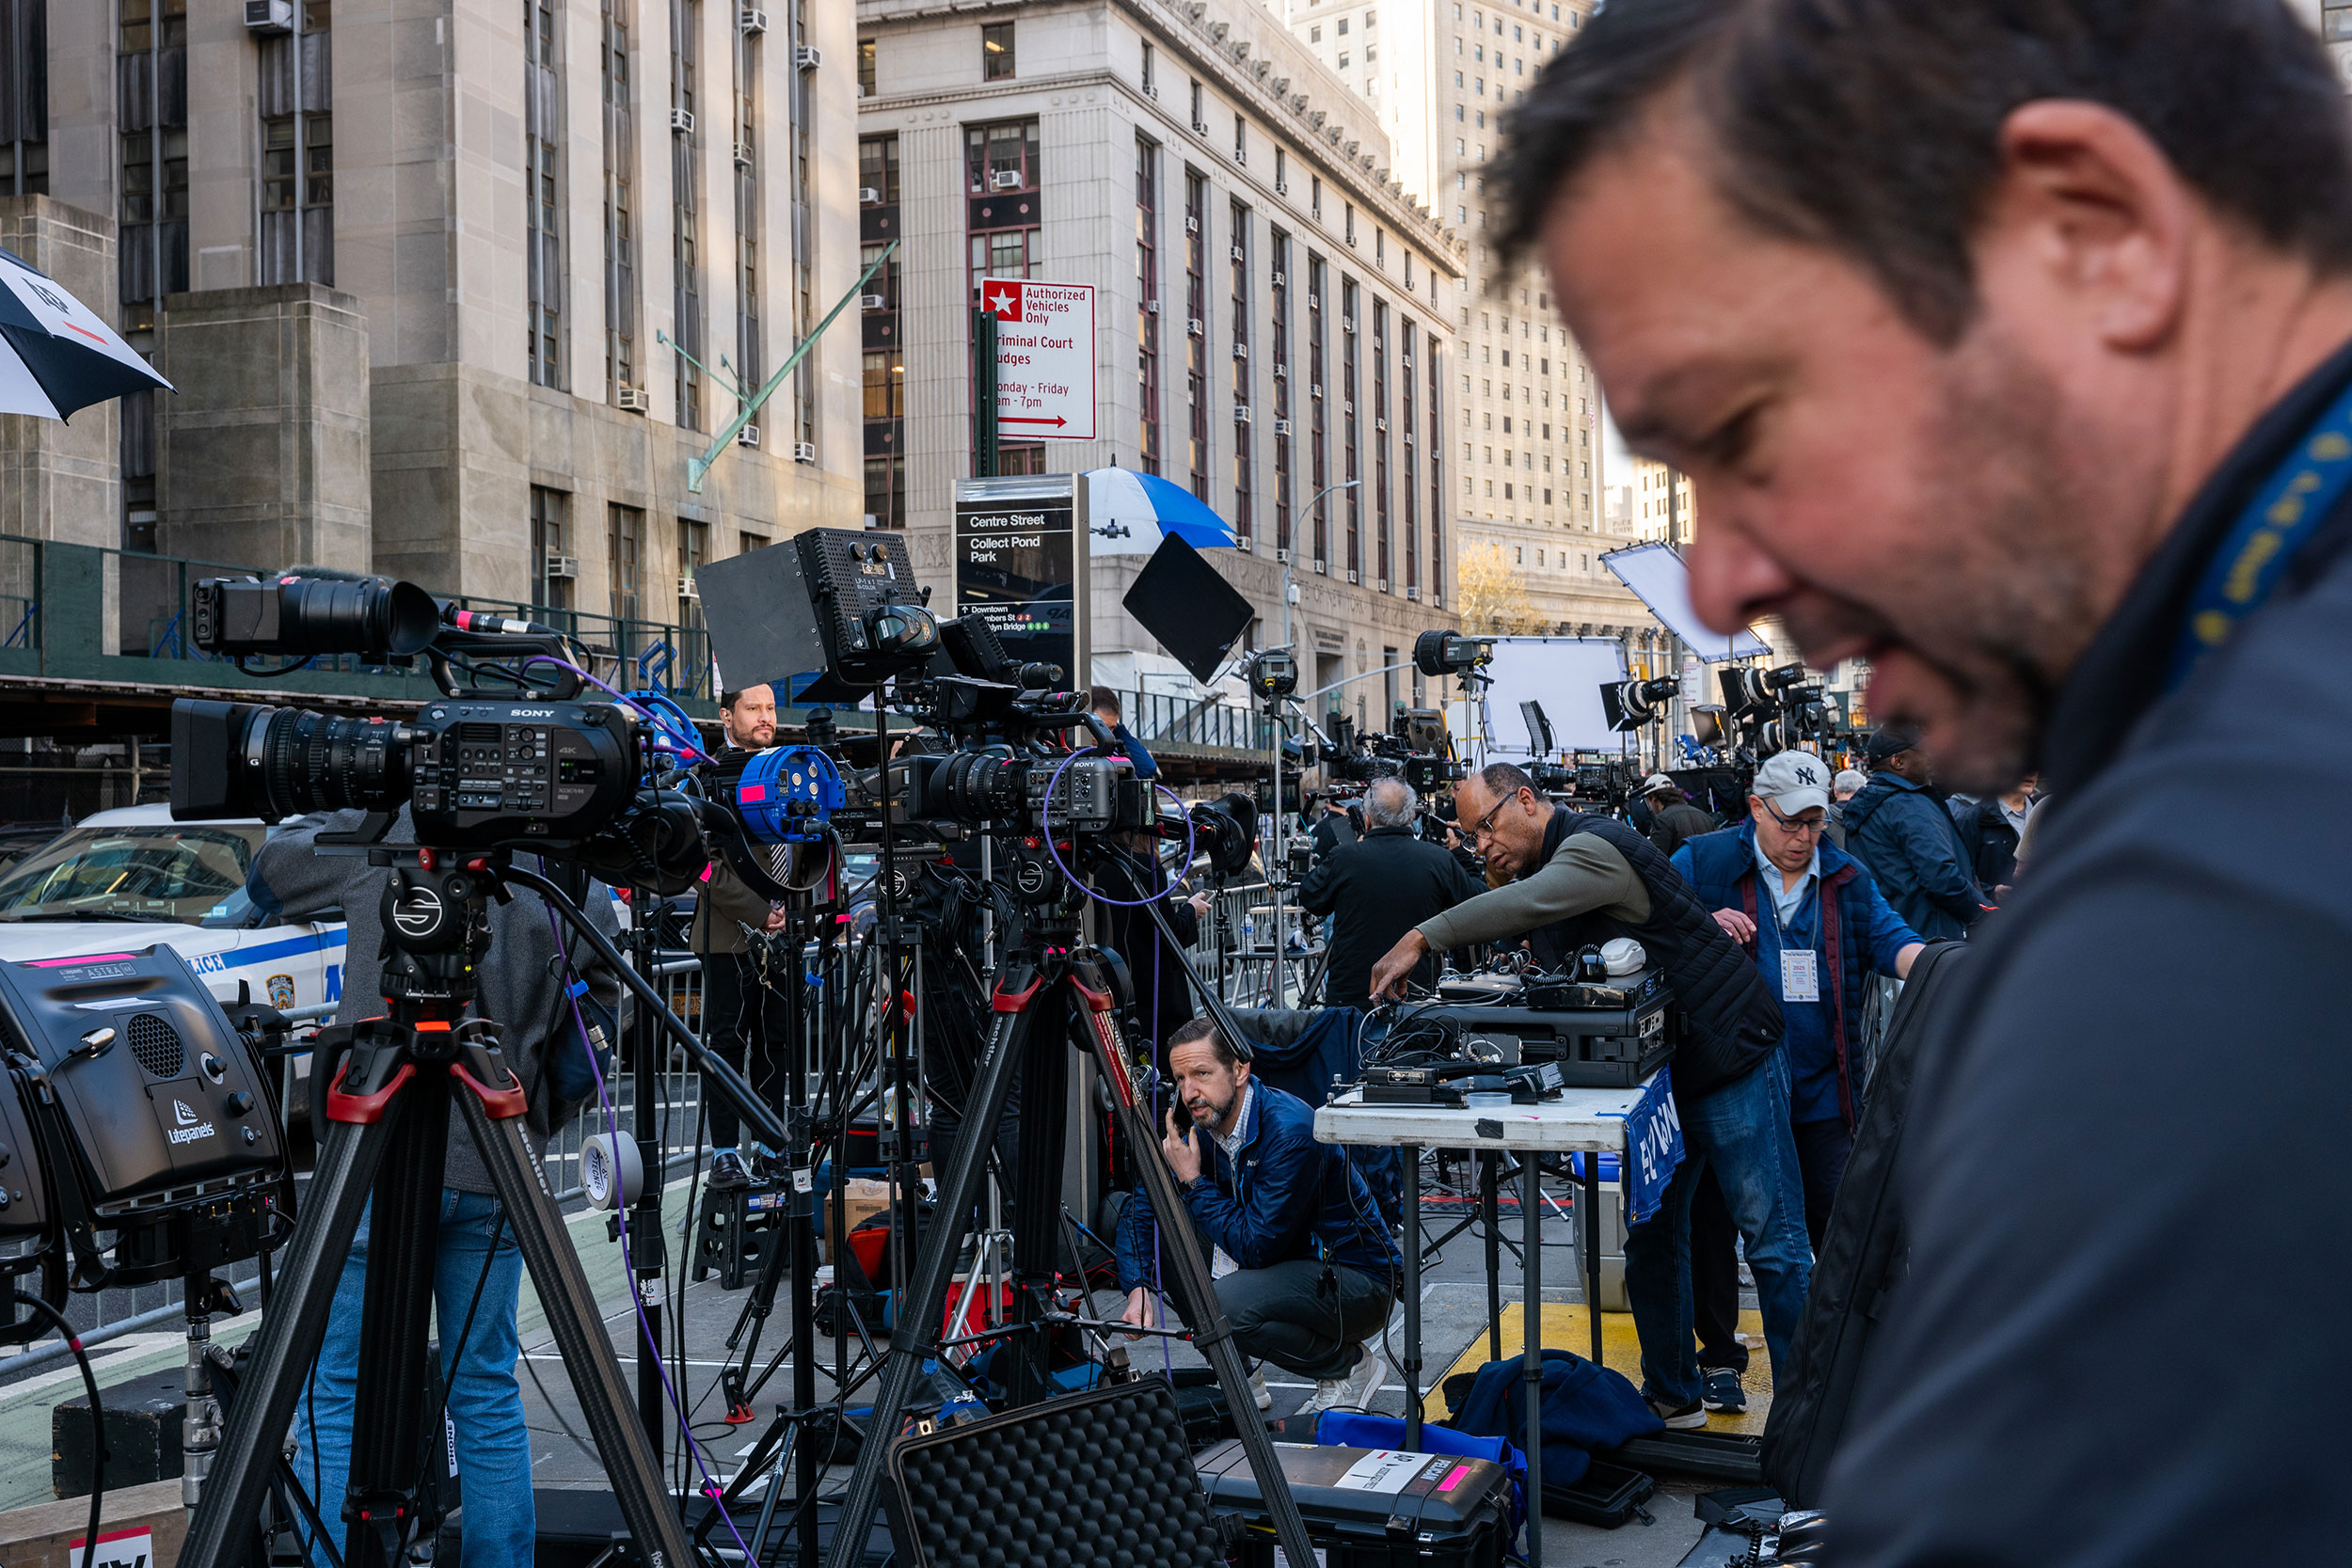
(1018, 564)
(1044, 358)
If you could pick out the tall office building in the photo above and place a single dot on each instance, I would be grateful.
(1525, 432)
(434, 281)
(1274, 314)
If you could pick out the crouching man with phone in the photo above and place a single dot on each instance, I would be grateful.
(1306, 1268)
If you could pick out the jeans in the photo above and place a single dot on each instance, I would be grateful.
(1822, 1150)
(485, 1402)
(735, 1027)
(1740, 1132)
(1715, 1279)
(1282, 1314)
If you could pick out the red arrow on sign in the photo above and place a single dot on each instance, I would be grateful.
(1008, 419)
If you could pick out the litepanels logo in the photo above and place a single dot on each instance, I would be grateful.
(190, 1128)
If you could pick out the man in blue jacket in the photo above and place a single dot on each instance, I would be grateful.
(1306, 1271)
(1815, 921)
(1909, 841)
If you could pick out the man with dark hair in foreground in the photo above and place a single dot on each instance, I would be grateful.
(2006, 343)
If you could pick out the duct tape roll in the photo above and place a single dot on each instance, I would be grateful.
(610, 1171)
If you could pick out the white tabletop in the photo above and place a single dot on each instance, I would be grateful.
(1578, 1119)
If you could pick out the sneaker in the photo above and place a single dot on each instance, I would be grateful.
(1352, 1392)
(1689, 1417)
(1259, 1392)
(727, 1174)
(1724, 1391)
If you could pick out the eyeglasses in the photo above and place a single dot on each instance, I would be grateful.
(1793, 825)
(1486, 824)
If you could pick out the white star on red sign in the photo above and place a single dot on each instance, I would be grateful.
(1004, 303)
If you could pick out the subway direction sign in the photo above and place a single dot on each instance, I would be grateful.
(1044, 358)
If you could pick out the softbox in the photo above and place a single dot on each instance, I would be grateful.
(1197, 616)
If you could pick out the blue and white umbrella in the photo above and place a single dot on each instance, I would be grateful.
(55, 355)
(1129, 513)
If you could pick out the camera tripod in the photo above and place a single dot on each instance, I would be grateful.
(1051, 988)
(386, 1133)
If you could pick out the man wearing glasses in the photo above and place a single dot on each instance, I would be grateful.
(1581, 881)
(1817, 926)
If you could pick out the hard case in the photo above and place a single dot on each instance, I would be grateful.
(1371, 1507)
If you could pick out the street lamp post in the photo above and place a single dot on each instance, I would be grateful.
(1273, 710)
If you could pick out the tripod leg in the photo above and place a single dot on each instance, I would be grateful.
(287, 1343)
(492, 1103)
(916, 1335)
(1188, 1271)
(1036, 1197)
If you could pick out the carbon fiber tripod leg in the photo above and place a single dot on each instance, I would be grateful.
(1188, 1271)
(916, 1331)
(286, 1346)
(571, 1307)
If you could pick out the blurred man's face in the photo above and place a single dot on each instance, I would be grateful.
(1890, 499)
(1207, 1087)
(750, 723)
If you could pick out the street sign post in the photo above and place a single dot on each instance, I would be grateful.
(1044, 358)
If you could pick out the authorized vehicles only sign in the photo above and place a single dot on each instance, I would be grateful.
(1044, 358)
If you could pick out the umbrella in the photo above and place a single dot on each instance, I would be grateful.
(55, 355)
(1129, 513)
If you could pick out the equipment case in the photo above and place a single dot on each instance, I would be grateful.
(1370, 1507)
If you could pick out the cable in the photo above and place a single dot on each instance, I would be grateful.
(97, 1414)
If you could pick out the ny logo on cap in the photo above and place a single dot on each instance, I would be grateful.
(1807, 776)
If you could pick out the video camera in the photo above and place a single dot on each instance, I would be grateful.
(1418, 750)
(621, 788)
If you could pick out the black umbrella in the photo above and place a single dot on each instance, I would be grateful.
(59, 355)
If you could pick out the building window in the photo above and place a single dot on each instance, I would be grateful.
(1435, 439)
(1150, 89)
(542, 133)
(1281, 172)
(1196, 328)
(1411, 490)
(1318, 443)
(866, 68)
(1147, 304)
(1380, 520)
(552, 568)
(1353, 499)
(151, 241)
(996, 52)
(620, 213)
(1002, 174)
(1279, 347)
(624, 563)
(685, 220)
(25, 96)
(1244, 432)
(749, 154)
(1314, 195)
(800, 115)
(694, 549)
(885, 358)
(1241, 139)
(1199, 116)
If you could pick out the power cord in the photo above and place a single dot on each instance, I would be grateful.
(97, 1412)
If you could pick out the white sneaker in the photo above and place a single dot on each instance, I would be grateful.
(1352, 1392)
(1259, 1392)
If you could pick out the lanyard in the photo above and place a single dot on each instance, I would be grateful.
(2284, 514)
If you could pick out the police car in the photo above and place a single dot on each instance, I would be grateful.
(129, 878)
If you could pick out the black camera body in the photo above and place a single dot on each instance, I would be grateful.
(990, 789)
(477, 773)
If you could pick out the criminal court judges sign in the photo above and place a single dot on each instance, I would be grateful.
(1044, 358)
(1016, 564)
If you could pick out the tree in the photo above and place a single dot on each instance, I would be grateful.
(1492, 596)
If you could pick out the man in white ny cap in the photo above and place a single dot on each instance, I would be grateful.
(1817, 926)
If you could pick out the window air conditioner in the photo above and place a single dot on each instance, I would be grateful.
(686, 589)
(872, 302)
(1351, 576)
(755, 21)
(1241, 350)
(1348, 323)
(1281, 427)
(807, 57)
(1192, 226)
(1281, 373)
(1316, 391)
(1413, 594)
(1281, 188)
(1235, 253)
(747, 437)
(1347, 408)
(1241, 413)
(804, 452)
(1315, 302)
(1282, 558)
(1195, 325)
(563, 567)
(631, 400)
(742, 155)
(1004, 179)
(1381, 583)
(1200, 127)
(269, 16)
(682, 119)
(1281, 280)
(1379, 425)
(868, 196)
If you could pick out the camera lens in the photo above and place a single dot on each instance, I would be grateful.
(977, 788)
(281, 762)
(331, 617)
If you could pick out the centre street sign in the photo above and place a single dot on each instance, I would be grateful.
(1044, 358)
